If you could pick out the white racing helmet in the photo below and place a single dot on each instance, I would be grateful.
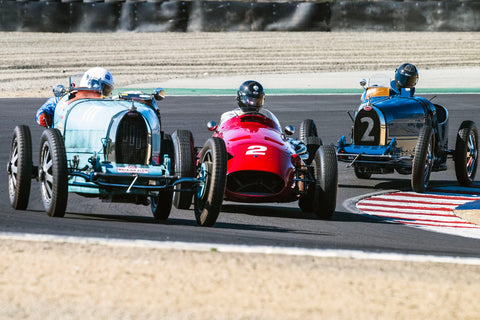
(98, 79)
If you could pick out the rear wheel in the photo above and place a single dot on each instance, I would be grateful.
(321, 197)
(466, 153)
(362, 173)
(161, 205)
(20, 168)
(308, 129)
(53, 174)
(423, 160)
(309, 136)
(184, 166)
(212, 175)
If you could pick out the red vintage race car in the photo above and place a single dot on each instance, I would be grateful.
(264, 167)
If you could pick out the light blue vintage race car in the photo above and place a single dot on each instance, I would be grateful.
(114, 149)
(408, 134)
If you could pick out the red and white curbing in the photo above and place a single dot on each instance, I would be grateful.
(431, 211)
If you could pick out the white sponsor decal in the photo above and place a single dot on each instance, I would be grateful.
(132, 169)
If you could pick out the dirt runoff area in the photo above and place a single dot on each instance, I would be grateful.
(62, 280)
(55, 280)
(32, 63)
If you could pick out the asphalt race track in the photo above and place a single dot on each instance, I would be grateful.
(245, 224)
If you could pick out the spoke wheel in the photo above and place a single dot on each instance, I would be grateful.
(466, 153)
(423, 160)
(212, 176)
(20, 168)
(53, 174)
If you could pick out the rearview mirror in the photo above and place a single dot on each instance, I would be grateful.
(289, 130)
(212, 126)
(363, 82)
(159, 94)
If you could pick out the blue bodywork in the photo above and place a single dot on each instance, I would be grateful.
(91, 131)
(385, 133)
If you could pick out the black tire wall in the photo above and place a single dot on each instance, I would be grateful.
(220, 16)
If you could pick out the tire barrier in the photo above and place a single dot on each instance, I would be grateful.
(218, 16)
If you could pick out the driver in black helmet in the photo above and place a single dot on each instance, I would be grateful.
(406, 77)
(250, 99)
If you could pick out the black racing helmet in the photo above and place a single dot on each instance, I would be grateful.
(250, 96)
(406, 76)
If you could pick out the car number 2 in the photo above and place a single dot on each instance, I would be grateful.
(256, 150)
(367, 134)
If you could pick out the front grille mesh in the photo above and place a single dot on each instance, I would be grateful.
(254, 182)
(131, 140)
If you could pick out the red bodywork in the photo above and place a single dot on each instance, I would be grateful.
(260, 160)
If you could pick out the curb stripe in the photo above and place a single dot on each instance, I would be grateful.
(424, 213)
(406, 200)
(428, 211)
(436, 196)
(405, 207)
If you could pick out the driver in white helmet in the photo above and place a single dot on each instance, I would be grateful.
(98, 79)
(96, 83)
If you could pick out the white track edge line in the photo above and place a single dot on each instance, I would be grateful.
(226, 248)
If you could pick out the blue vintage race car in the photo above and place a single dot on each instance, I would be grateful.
(115, 150)
(407, 134)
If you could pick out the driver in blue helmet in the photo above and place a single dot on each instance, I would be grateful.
(406, 77)
(250, 99)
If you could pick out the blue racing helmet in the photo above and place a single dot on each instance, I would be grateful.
(406, 76)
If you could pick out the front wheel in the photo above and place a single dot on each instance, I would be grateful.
(423, 160)
(53, 173)
(212, 176)
(321, 197)
(466, 153)
(20, 168)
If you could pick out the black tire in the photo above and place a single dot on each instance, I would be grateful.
(53, 173)
(466, 153)
(423, 160)
(308, 129)
(212, 172)
(184, 165)
(362, 174)
(20, 168)
(321, 198)
(161, 205)
(309, 136)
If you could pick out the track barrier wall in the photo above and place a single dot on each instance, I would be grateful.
(219, 16)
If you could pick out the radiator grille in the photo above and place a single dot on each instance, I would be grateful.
(131, 141)
(254, 182)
